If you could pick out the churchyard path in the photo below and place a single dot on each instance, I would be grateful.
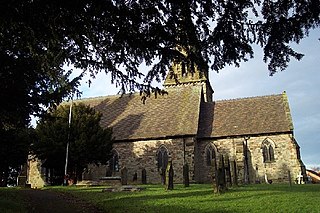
(46, 201)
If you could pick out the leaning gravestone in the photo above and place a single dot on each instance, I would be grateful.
(186, 175)
(124, 176)
(169, 176)
(144, 176)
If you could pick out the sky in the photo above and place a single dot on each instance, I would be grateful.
(300, 81)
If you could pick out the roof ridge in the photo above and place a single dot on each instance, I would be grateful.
(130, 94)
(244, 98)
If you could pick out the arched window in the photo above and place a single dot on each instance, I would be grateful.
(267, 151)
(162, 158)
(210, 154)
(271, 153)
(114, 162)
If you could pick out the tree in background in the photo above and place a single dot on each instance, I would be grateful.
(89, 143)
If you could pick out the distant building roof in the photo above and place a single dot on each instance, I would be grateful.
(246, 116)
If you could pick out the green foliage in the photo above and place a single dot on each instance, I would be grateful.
(89, 143)
(200, 198)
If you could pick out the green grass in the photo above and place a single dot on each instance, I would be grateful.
(200, 198)
(11, 200)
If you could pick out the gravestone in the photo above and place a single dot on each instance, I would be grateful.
(144, 176)
(227, 171)
(215, 174)
(135, 177)
(124, 176)
(169, 176)
(233, 169)
(163, 176)
(186, 181)
(300, 178)
(222, 175)
(86, 174)
(22, 178)
(257, 175)
(289, 177)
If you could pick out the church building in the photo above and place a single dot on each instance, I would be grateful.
(186, 126)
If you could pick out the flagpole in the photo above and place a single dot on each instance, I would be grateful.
(68, 142)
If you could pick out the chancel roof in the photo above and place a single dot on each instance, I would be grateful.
(169, 115)
(246, 116)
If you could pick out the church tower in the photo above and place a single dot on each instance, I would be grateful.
(183, 73)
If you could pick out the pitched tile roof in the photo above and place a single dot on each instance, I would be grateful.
(174, 114)
(246, 116)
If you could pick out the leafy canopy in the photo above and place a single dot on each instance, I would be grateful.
(38, 37)
(89, 143)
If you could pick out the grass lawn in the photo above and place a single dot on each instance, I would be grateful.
(200, 198)
(11, 200)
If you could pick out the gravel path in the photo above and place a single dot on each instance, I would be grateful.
(47, 201)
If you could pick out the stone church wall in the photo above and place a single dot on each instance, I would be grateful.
(286, 158)
(139, 155)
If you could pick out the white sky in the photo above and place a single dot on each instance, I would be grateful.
(300, 81)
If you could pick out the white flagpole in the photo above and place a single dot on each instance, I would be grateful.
(67, 149)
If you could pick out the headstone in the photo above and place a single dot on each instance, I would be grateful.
(144, 176)
(300, 178)
(22, 178)
(215, 175)
(124, 176)
(163, 176)
(257, 181)
(289, 177)
(186, 181)
(169, 176)
(135, 177)
(86, 174)
(227, 172)
(234, 176)
(222, 175)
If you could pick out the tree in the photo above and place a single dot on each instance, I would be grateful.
(89, 143)
(14, 148)
(39, 37)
